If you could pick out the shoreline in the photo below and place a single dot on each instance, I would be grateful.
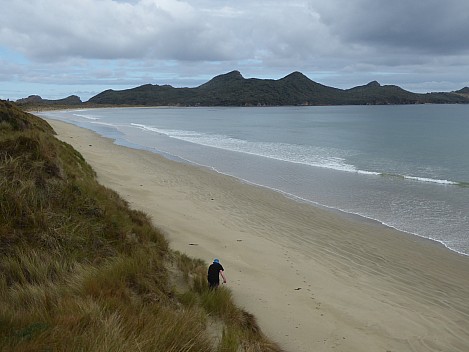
(340, 212)
(450, 234)
(314, 279)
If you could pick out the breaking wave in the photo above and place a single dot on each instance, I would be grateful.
(328, 158)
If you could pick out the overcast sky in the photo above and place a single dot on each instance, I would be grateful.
(55, 48)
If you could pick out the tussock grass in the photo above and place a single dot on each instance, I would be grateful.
(241, 331)
(80, 271)
(32, 267)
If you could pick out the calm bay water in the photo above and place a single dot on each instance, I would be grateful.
(405, 166)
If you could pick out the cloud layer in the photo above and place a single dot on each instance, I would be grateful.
(335, 41)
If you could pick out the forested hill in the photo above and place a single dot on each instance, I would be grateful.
(37, 100)
(232, 89)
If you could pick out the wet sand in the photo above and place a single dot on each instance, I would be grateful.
(316, 280)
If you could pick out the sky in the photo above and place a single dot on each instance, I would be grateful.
(56, 48)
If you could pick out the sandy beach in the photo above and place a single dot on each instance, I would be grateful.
(316, 280)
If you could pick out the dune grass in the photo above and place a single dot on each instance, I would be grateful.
(81, 271)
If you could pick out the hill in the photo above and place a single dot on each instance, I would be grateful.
(37, 100)
(81, 271)
(232, 89)
(464, 92)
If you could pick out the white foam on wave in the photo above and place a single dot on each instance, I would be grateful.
(333, 208)
(104, 124)
(299, 154)
(422, 179)
(372, 173)
(328, 158)
(88, 117)
(430, 180)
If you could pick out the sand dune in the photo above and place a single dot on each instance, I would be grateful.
(316, 280)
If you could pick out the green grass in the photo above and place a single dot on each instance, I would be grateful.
(81, 271)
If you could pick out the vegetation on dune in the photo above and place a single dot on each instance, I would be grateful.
(81, 271)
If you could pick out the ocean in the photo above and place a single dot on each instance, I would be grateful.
(406, 166)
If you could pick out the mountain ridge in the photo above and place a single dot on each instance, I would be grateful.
(232, 89)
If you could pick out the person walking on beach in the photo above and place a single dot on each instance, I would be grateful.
(214, 271)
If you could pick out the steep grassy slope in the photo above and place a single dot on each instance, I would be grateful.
(81, 271)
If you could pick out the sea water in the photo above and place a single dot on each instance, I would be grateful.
(405, 166)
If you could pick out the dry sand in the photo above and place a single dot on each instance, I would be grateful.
(316, 280)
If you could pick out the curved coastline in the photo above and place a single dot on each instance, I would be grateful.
(337, 210)
(120, 140)
(318, 292)
(348, 214)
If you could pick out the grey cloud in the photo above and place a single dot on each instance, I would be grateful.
(430, 26)
(209, 30)
(91, 29)
(166, 29)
